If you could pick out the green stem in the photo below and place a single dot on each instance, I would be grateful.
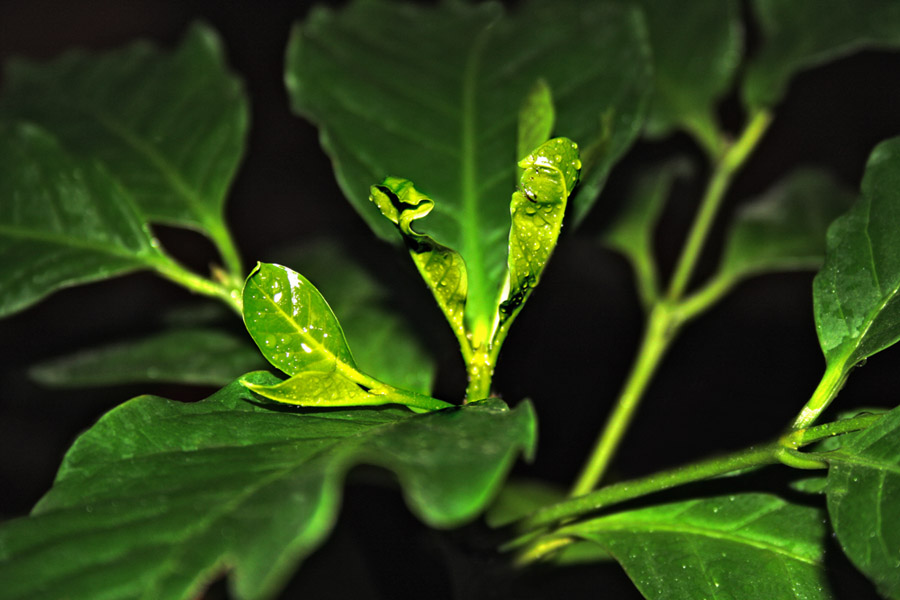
(659, 332)
(231, 259)
(171, 270)
(831, 383)
(731, 161)
(481, 372)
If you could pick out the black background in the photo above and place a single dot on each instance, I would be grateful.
(735, 376)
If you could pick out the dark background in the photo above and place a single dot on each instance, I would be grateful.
(736, 376)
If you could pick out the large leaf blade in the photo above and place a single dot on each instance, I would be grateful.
(177, 158)
(801, 34)
(156, 511)
(379, 78)
(741, 546)
(855, 293)
(65, 220)
(863, 493)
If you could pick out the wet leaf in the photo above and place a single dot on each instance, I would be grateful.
(160, 497)
(785, 228)
(432, 93)
(195, 356)
(801, 34)
(64, 221)
(855, 293)
(864, 501)
(742, 546)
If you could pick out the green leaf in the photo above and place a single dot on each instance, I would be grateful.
(169, 125)
(536, 119)
(855, 293)
(298, 333)
(549, 174)
(864, 500)
(160, 497)
(696, 51)
(801, 34)
(381, 78)
(195, 356)
(64, 221)
(632, 232)
(442, 268)
(742, 546)
(785, 228)
(368, 314)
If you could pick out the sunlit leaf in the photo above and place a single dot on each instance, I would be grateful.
(64, 220)
(800, 34)
(160, 497)
(742, 546)
(864, 501)
(855, 293)
(170, 125)
(432, 93)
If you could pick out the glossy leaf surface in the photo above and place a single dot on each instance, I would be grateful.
(170, 125)
(855, 293)
(742, 546)
(536, 119)
(196, 356)
(159, 497)
(64, 220)
(801, 34)
(442, 268)
(864, 501)
(697, 48)
(380, 79)
(549, 175)
(785, 228)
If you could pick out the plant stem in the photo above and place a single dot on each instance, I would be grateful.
(231, 259)
(657, 336)
(171, 270)
(480, 368)
(831, 383)
(731, 161)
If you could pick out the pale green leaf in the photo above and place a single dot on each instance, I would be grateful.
(195, 356)
(864, 500)
(170, 125)
(160, 497)
(801, 34)
(442, 268)
(855, 293)
(431, 94)
(64, 220)
(549, 175)
(785, 228)
(536, 119)
(741, 546)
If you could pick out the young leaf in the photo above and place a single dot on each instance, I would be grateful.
(536, 118)
(195, 356)
(442, 268)
(864, 501)
(855, 293)
(549, 174)
(801, 34)
(785, 228)
(696, 51)
(176, 158)
(381, 79)
(160, 497)
(65, 220)
(742, 546)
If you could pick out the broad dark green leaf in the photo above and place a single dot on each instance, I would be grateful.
(696, 50)
(442, 268)
(536, 119)
(195, 356)
(169, 125)
(64, 220)
(369, 315)
(800, 34)
(855, 293)
(785, 228)
(549, 175)
(159, 497)
(431, 94)
(742, 546)
(864, 501)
